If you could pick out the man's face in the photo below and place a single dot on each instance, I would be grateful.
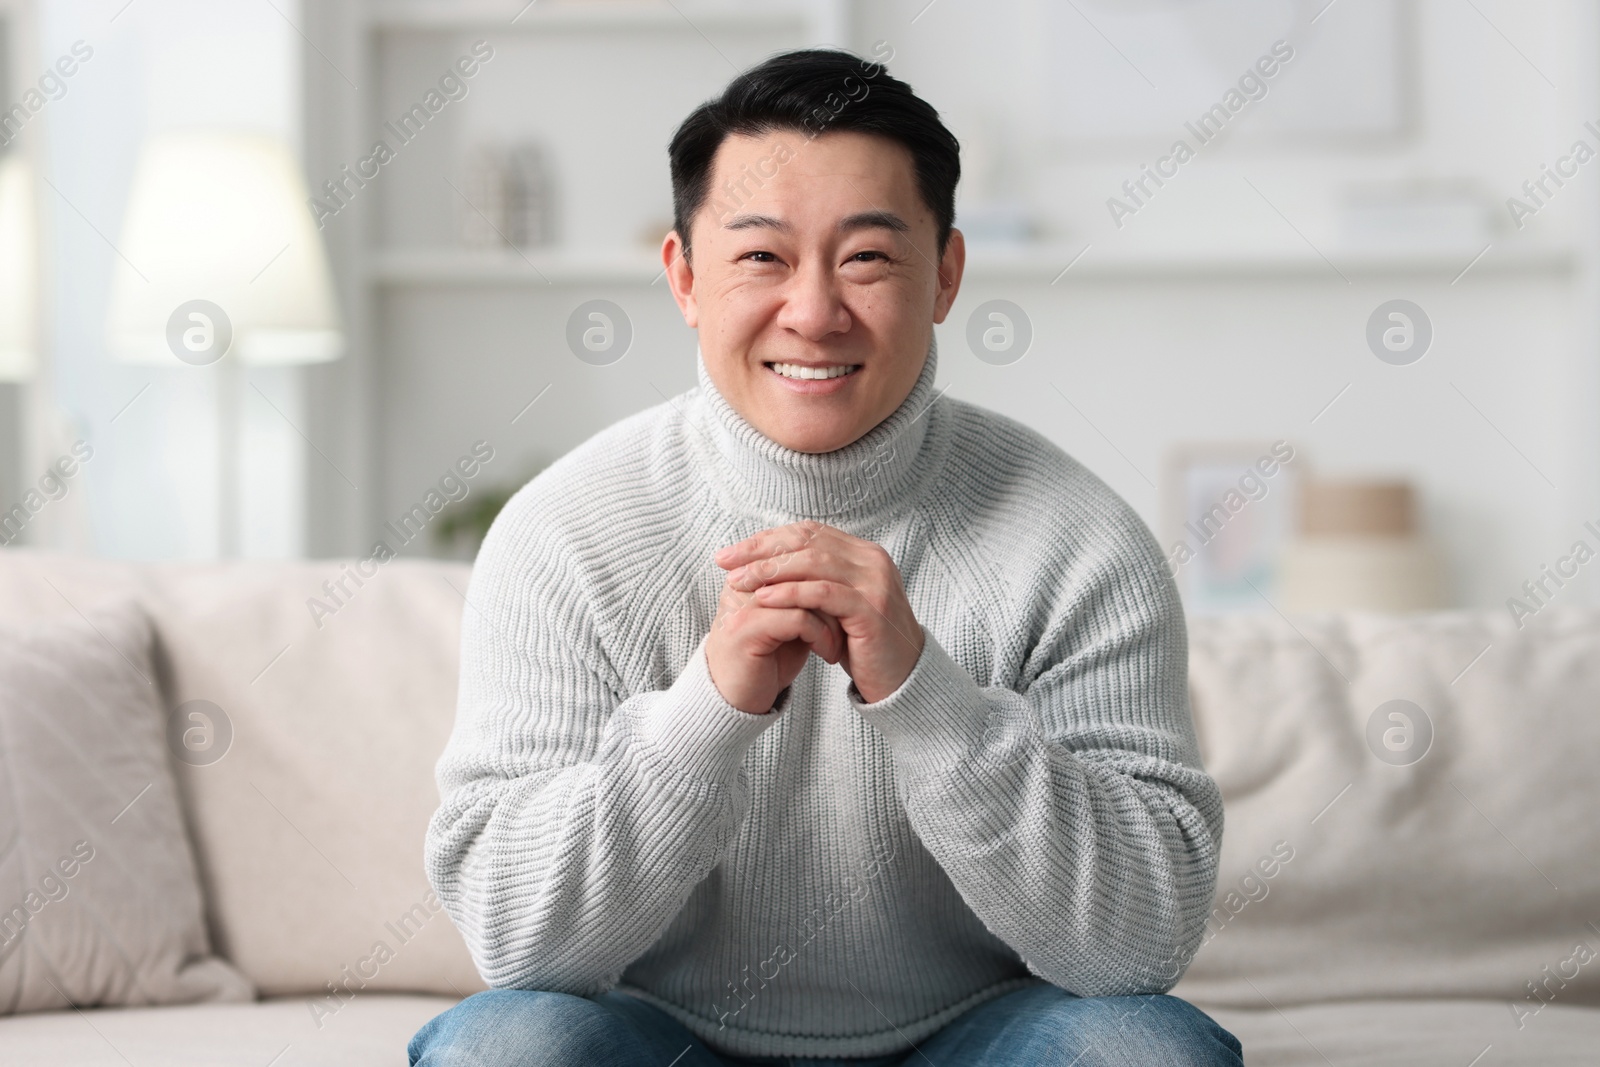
(814, 257)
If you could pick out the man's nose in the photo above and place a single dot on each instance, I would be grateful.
(813, 306)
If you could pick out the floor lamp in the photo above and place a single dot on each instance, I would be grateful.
(18, 270)
(18, 308)
(220, 262)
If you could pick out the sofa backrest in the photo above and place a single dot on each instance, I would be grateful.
(308, 830)
(1351, 867)
(1470, 871)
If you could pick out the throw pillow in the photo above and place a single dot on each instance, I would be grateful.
(100, 903)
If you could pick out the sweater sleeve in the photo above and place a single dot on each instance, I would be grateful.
(1074, 817)
(574, 819)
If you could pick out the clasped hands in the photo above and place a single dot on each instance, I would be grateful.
(803, 588)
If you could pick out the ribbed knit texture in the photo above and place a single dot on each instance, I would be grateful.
(832, 878)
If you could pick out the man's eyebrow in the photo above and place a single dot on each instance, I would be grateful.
(874, 220)
(749, 221)
(864, 220)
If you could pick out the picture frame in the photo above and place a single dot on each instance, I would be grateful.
(1229, 508)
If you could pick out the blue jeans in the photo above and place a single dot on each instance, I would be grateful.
(1038, 1026)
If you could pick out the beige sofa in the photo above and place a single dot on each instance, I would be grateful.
(1372, 907)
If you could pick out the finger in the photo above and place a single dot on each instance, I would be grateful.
(768, 629)
(823, 633)
(819, 561)
(833, 652)
(771, 542)
(733, 601)
(835, 599)
(857, 615)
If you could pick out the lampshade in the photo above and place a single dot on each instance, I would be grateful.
(18, 270)
(222, 217)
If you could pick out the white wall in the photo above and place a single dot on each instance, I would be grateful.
(1156, 362)
(1152, 357)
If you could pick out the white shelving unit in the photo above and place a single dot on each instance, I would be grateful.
(392, 35)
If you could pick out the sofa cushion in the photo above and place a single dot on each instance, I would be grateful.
(373, 1030)
(309, 810)
(99, 900)
(1354, 867)
(370, 1030)
(1412, 1033)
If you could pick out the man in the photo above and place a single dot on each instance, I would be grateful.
(812, 716)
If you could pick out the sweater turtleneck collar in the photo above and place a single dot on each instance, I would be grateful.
(870, 477)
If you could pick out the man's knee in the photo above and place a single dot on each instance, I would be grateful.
(521, 1028)
(1135, 1030)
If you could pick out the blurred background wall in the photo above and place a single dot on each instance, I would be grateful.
(1399, 150)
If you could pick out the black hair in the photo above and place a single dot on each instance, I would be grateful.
(815, 91)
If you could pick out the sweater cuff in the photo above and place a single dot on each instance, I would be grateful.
(692, 729)
(935, 719)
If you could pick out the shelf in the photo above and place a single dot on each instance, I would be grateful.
(467, 266)
(1042, 264)
(1051, 264)
(607, 15)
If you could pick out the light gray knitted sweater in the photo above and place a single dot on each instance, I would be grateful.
(832, 878)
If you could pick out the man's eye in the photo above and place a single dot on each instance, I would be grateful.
(770, 257)
(857, 258)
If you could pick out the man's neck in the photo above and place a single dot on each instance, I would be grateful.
(875, 474)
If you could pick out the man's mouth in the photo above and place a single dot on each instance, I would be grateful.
(808, 372)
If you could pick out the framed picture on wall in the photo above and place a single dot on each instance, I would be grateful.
(1228, 510)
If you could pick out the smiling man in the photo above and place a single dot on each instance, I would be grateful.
(813, 716)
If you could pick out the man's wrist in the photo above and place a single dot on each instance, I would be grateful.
(855, 688)
(692, 728)
(776, 701)
(936, 717)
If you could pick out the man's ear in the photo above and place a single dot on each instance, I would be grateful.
(951, 266)
(680, 277)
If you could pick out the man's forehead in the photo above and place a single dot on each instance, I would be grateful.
(775, 181)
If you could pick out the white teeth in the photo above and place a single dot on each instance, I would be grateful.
(795, 370)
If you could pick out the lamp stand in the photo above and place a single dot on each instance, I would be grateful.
(229, 409)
